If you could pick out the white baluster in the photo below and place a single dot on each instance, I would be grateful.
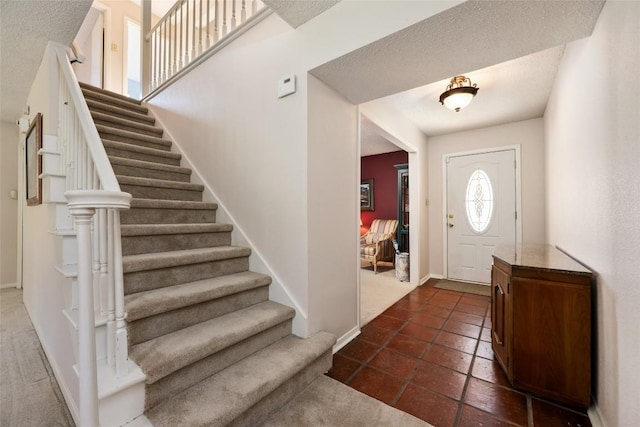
(243, 12)
(122, 353)
(233, 15)
(200, 45)
(254, 7)
(193, 32)
(216, 25)
(208, 25)
(111, 297)
(224, 18)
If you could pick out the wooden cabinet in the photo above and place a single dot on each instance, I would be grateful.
(403, 207)
(541, 322)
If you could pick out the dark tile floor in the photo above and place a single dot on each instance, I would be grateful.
(430, 355)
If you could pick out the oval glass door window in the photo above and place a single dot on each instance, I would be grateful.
(479, 201)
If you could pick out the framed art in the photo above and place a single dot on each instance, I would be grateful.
(366, 195)
(33, 144)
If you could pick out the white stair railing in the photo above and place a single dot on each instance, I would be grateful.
(91, 187)
(190, 29)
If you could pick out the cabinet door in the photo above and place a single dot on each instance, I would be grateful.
(500, 324)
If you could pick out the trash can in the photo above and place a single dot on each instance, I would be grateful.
(402, 266)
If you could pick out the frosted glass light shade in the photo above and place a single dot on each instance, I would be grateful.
(458, 96)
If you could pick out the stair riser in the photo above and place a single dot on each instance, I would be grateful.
(120, 103)
(133, 141)
(133, 245)
(151, 173)
(153, 279)
(123, 114)
(155, 326)
(157, 132)
(279, 397)
(167, 216)
(117, 152)
(142, 192)
(196, 372)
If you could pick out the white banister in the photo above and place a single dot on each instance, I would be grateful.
(92, 187)
(202, 23)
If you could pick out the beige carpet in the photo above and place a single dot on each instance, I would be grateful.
(379, 292)
(29, 393)
(329, 403)
(470, 288)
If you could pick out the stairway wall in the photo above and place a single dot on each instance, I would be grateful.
(241, 138)
(46, 292)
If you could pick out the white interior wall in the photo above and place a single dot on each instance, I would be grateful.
(592, 134)
(529, 135)
(46, 290)
(8, 206)
(227, 119)
(332, 200)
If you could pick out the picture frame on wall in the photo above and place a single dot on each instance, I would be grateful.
(366, 195)
(33, 144)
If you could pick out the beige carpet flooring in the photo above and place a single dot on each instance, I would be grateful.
(329, 403)
(379, 292)
(29, 393)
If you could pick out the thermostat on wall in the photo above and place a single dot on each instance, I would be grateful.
(286, 86)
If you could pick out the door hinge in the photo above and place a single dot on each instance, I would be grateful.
(516, 212)
(515, 164)
(446, 159)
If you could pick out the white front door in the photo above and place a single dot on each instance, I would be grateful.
(481, 211)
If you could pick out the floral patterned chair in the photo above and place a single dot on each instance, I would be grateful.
(377, 245)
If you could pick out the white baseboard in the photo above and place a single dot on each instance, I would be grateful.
(8, 285)
(346, 339)
(430, 276)
(595, 416)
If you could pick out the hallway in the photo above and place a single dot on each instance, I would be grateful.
(430, 355)
(29, 393)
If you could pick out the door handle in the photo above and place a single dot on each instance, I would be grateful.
(450, 225)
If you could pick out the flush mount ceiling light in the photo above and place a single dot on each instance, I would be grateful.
(459, 93)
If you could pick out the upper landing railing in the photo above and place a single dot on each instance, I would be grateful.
(189, 30)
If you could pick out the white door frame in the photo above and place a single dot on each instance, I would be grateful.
(445, 201)
(106, 59)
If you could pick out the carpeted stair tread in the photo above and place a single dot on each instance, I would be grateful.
(161, 356)
(108, 99)
(92, 88)
(171, 204)
(158, 183)
(148, 165)
(162, 144)
(157, 301)
(223, 397)
(138, 149)
(152, 261)
(161, 229)
(99, 106)
(120, 122)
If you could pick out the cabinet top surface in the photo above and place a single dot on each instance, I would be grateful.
(544, 257)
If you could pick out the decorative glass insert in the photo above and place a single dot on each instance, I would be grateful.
(479, 201)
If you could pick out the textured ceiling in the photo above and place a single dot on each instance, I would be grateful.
(512, 91)
(296, 13)
(470, 36)
(25, 29)
(372, 140)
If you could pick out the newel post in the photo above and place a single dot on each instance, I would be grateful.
(88, 396)
(82, 206)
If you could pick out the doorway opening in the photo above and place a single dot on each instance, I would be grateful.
(386, 170)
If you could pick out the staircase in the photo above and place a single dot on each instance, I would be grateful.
(214, 349)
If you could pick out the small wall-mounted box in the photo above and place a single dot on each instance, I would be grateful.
(286, 86)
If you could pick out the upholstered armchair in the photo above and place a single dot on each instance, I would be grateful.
(377, 245)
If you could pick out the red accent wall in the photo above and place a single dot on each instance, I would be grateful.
(385, 184)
